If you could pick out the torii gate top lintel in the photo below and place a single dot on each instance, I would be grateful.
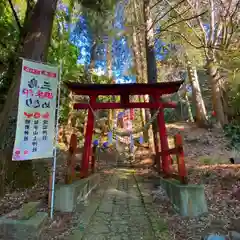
(124, 89)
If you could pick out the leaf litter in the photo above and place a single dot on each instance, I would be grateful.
(207, 160)
(206, 156)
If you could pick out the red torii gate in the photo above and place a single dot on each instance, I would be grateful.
(156, 90)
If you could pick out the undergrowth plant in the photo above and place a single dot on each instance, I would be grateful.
(232, 132)
(235, 153)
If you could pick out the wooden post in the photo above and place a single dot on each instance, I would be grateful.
(180, 159)
(93, 158)
(88, 139)
(71, 163)
(156, 142)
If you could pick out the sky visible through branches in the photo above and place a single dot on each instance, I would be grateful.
(122, 54)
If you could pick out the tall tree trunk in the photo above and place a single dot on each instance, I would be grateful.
(136, 57)
(139, 17)
(110, 76)
(190, 115)
(201, 113)
(216, 84)
(151, 60)
(93, 56)
(35, 47)
(138, 62)
(13, 61)
(13, 58)
(136, 45)
(109, 59)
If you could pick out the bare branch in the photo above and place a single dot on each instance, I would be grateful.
(188, 23)
(212, 22)
(174, 18)
(199, 22)
(235, 10)
(184, 37)
(229, 6)
(183, 20)
(226, 27)
(231, 24)
(154, 5)
(172, 8)
(230, 34)
(15, 14)
(217, 33)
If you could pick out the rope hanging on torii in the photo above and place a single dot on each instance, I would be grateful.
(128, 133)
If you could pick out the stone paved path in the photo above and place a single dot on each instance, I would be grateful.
(121, 210)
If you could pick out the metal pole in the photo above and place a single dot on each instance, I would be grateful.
(55, 143)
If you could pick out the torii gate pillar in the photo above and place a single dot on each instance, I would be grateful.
(164, 142)
(87, 152)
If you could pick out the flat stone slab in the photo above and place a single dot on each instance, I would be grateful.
(188, 200)
(234, 235)
(68, 196)
(28, 210)
(16, 229)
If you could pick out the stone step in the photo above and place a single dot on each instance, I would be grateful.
(28, 210)
(68, 196)
(234, 235)
(189, 200)
(15, 229)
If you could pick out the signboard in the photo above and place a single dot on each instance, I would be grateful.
(36, 112)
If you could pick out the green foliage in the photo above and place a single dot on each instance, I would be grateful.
(99, 6)
(100, 79)
(9, 33)
(212, 160)
(230, 66)
(170, 115)
(232, 132)
(63, 52)
(180, 113)
(234, 95)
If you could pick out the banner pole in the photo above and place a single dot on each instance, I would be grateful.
(55, 144)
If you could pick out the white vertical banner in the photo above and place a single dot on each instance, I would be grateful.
(35, 131)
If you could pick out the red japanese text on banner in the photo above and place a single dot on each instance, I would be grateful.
(36, 112)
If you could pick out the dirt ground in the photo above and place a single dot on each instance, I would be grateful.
(207, 160)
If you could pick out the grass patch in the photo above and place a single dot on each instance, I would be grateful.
(207, 160)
